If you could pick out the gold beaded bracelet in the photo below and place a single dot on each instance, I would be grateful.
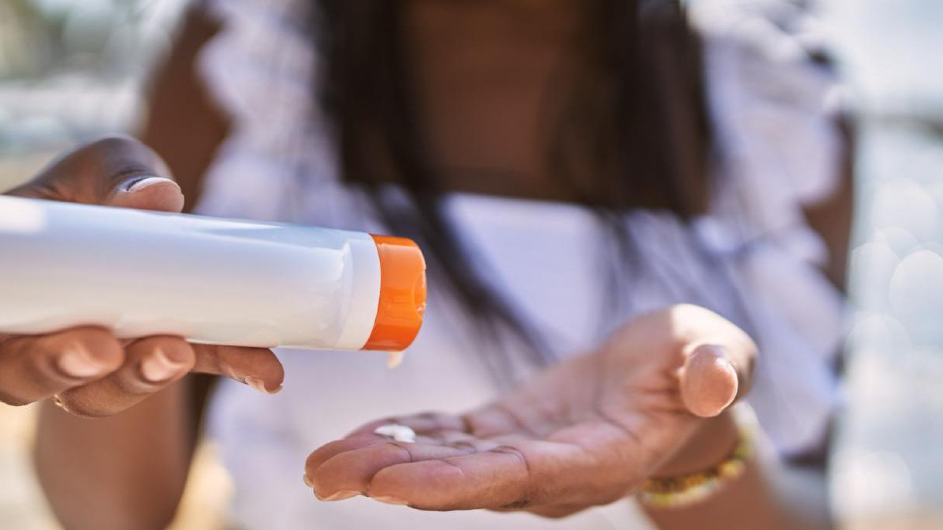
(685, 490)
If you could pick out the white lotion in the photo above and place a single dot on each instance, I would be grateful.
(394, 359)
(400, 433)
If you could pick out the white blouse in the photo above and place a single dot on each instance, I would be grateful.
(753, 258)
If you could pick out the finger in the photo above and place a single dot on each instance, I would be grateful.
(709, 381)
(497, 479)
(349, 472)
(345, 468)
(360, 440)
(116, 170)
(329, 450)
(151, 364)
(38, 367)
(256, 367)
(700, 326)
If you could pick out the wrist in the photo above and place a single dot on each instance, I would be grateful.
(711, 443)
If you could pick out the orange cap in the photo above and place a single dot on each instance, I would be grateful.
(402, 294)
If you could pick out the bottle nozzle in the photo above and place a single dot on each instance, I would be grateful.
(402, 294)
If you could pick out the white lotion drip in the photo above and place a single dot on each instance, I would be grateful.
(394, 359)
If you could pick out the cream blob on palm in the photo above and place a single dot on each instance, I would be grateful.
(399, 433)
(208, 280)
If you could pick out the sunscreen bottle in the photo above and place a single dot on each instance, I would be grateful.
(209, 280)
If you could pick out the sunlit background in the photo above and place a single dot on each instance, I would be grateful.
(73, 69)
(888, 467)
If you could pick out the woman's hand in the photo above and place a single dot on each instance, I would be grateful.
(88, 370)
(584, 433)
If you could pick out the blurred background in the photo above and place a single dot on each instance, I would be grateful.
(73, 69)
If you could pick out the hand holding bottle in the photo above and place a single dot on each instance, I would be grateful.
(88, 369)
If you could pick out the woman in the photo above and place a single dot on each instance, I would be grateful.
(571, 177)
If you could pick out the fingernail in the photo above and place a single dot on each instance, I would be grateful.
(710, 382)
(79, 364)
(725, 364)
(340, 495)
(391, 500)
(158, 367)
(257, 384)
(307, 480)
(712, 350)
(139, 185)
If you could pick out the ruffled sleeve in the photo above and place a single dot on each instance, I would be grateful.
(773, 103)
(278, 161)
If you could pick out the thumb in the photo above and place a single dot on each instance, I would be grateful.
(147, 193)
(114, 171)
(709, 381)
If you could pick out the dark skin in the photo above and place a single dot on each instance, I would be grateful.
(90, 373)
(465, 139)
(478, 68)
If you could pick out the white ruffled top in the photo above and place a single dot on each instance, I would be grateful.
(753, 258)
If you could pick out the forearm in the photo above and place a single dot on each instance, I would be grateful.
(179, 102)
(769, 495)
(125, 471)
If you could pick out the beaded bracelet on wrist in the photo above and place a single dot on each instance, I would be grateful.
(684, 490)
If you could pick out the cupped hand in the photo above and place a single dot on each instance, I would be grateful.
(88, 370)
(586, 432)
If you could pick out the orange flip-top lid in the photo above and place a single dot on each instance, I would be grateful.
(402, 294)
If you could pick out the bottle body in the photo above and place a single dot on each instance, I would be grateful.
(209, 280)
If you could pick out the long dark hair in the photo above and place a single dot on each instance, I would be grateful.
(637, 115)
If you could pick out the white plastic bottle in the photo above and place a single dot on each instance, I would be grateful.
(206, 279)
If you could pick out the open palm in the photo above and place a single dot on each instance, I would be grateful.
(584, 433)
